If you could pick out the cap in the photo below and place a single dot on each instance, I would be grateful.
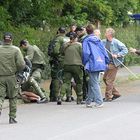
(23, 42)
(73, 36)
(79, 28)
(7, 36)
(62, 29)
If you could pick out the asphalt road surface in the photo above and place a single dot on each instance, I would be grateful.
(117, 120)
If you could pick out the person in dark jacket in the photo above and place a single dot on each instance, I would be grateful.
(95, 60)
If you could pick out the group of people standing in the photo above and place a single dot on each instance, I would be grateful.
(80, 59)
(76, 58)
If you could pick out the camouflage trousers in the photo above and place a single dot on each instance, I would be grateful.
(9, 88)
(76, 72)
(56, 82)
(33, 84)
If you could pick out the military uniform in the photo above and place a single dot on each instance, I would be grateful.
(56, 61)
(85, 74)
(72, 69)
(11, 62)
(37, 58)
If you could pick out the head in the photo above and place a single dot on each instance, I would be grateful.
(24, 44)
(110, 33)
(73, 37)
(8, 38)
(61, 30)
(80, 31)
(72, 28)
(90, 29)
(97, 32)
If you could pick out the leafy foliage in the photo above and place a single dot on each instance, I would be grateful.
(38, 20)
(36, 13)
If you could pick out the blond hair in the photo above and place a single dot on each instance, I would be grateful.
(111, 31)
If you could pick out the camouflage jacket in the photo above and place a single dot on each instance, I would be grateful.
(35, 55)
(11, 60)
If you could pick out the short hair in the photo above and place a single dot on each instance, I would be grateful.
(90, 28)
(97, 32)
(111, 31)
(23, 42)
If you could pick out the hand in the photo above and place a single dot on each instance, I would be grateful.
(114, 55)
(132, 50)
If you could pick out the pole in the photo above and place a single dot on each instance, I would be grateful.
(124, 66)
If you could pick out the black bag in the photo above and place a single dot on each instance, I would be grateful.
(51, 46)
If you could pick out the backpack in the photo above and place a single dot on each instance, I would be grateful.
(51, 46)
(56, 42)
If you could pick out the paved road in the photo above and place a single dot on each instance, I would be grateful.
(118, 120)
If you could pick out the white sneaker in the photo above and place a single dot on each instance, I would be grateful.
(89, 105)
(99, 105)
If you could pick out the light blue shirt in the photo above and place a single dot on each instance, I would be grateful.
(118, 48)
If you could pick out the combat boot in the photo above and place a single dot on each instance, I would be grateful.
(68, 99)
(59, 101)
(12, 121)
(37, 88)
(79, 99)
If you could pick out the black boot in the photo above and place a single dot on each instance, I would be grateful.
(12, 121)
(68, 99)
(79, 100)
(59, 101)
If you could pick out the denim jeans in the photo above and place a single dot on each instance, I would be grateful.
(94, 91)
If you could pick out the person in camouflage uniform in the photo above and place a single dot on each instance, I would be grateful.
(37, 58)
(56, 62)
(81, 32)
(72, 68)
(11, 62)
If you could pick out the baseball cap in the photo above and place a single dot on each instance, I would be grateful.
(79, 28)
(73, 36)
(62, 29)
(23, 42)
(7, 36)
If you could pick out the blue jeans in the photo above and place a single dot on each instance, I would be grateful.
(94, 90)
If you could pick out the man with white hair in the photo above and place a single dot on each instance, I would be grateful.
(116, 51)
